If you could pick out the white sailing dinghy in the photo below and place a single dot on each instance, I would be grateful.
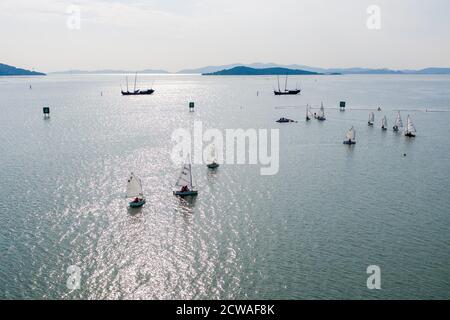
(371, 119)
(212, 160)
(350, 137)
(321, 115)
(184, 186)
(384, 123)
(134, 191)
(410, 130)
(398, 123)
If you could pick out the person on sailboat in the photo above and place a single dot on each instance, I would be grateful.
(185, 189)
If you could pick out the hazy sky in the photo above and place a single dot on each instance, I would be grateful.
(177, 34)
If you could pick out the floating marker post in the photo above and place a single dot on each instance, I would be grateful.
(191, 106)
(342, 106)
(46, 111)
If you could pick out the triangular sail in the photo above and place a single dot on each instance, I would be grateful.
(212, 155)
(410, 128)
(134, 187)
(351, 134)
(322, 111)
(398, 121)
(371, 117)
(384, 122)
(185, 179)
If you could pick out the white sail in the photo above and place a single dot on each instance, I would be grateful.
(134, 187)
(351, 134)
(371, 117)
(322, 111)
(212, 158)
(410, 128)
(384, 122)
(185, 179)
(398, 121)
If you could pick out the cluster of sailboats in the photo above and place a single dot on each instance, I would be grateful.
(318, 116)
(184, 186)
(410, 130)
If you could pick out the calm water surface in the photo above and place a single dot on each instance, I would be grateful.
(308, 232)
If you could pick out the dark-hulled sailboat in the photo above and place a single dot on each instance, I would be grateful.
(136, 92)
(286, 91)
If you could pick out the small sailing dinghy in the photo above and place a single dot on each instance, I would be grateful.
(212, 160)
(321, 115)
(410, 130)
(350, 137)
(134, 191)
(309, 114)
(184, 186)
(384, 124)
(398, 123)
(371, 119)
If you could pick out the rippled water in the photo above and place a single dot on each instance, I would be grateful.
(308, 232)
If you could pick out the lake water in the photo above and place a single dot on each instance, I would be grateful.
(308, 232)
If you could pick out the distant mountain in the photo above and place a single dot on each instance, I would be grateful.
(434, 71)
(6, 70)
(368, 71)
(247, 71)
(81, 72)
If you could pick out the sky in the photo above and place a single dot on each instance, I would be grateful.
(181, 34)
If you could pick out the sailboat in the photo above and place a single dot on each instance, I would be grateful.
(136, 92)
(371, 119)
(286, 91)
(410, 130)
(350, 137)
(398, 123)
(309, 114)
(384, 123)
(184, 186)
(212, 160)
(321, 115)
(134, 191)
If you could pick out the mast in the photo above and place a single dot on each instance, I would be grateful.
(127, 85)
(278, 77)
(135, 80)
(285, 84)
(190, 173)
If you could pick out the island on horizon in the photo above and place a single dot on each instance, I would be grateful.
(247, 71)
(6, 70)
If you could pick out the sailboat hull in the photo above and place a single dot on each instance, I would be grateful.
(410, 135)
(138, 93)
(185, 194)
(213, 166)
(137, 204)
(350, 143)
(287, 93)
